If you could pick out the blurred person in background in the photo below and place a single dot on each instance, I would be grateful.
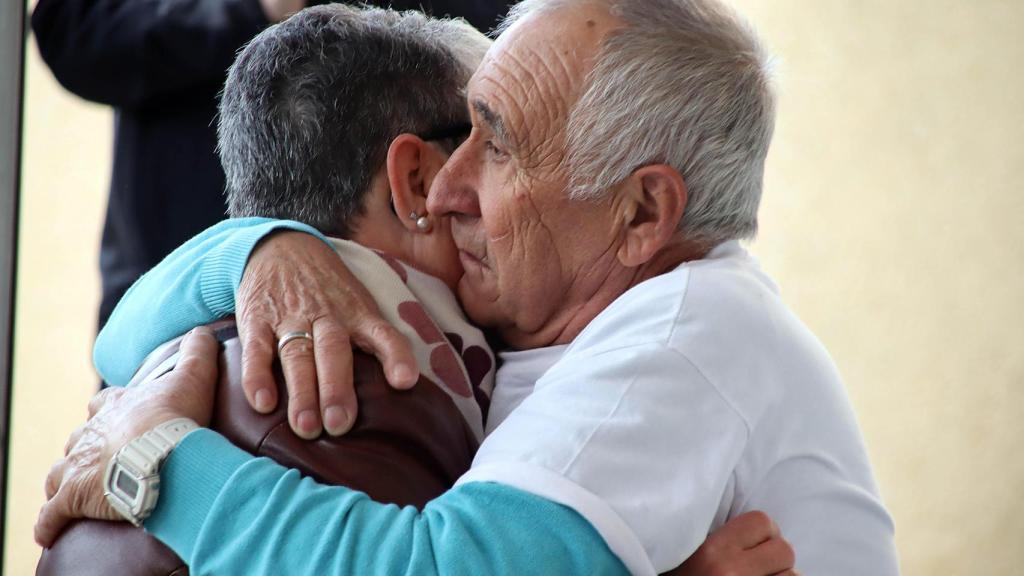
(161, 65)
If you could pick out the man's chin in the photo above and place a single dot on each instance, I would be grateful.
(483, 311)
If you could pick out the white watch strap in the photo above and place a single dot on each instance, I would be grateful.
(139, 460)
(147, 452)
(173, 431)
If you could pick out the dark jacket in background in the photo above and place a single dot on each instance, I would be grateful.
(161, 64)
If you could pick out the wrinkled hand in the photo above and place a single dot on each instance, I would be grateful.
(748, 545)
(74, 486)
(296, 283)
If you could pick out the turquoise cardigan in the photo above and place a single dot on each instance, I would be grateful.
(226, 512)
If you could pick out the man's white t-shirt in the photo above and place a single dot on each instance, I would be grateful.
(519, 371)
(695, 397)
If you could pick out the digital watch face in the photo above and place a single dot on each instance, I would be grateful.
(127, 485)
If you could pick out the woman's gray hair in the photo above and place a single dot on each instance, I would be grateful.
(685, 83)
(312, 104)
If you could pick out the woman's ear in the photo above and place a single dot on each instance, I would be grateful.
(405, 178)
(653, 201)
(412, 165)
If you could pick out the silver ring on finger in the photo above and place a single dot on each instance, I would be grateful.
(299, 334)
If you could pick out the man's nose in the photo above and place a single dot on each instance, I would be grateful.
(454, 192)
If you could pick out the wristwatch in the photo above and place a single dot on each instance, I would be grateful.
(132, 481)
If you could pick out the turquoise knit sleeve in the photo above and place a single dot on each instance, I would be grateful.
(193, 285)
(226, 512)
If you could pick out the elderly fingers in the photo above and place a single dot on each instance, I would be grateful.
(393, 351)
(748, 545)
(198, 355)
(771, 557)
(747, 530)
(257, 338)
(300, 374)
(333, 353)
(64, 501)
(54, 477)
(53, 516)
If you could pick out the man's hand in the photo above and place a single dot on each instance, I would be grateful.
(748, 545)
(74, 486)
(296, 283)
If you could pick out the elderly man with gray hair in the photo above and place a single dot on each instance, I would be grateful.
(657, 386)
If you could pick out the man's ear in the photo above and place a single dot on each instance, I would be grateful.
(653, 199)
(412, 165)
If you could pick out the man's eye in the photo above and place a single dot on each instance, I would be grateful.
(493, 150)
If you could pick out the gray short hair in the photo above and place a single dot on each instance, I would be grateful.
(311, 105)
(685, 83)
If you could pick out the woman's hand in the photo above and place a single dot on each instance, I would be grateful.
(295, 283)
(748, 545)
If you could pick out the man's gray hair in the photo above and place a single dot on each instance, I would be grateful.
(685, 83)
(312, 104)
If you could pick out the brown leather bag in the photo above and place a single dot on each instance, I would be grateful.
(407, 447)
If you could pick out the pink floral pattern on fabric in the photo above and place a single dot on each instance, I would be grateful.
(444, 363)
(476, 360)
(414, 315)
(455, 339)
(395, 265)
(478, 364)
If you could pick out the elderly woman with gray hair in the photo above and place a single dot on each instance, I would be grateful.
(659, 385)
(338, 76)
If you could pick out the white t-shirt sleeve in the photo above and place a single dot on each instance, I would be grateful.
(634, 439)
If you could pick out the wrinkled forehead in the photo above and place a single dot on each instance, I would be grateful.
(536, 69)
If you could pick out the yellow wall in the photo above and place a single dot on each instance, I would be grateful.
(65, 170)
(892, 221)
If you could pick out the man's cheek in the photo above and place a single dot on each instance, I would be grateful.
(499, 221)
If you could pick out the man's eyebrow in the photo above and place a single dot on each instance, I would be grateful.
(493, 119)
